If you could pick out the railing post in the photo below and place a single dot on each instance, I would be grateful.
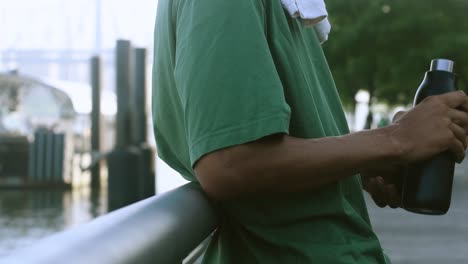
(124, 159)
(146, 164)
(139, 101)
(96, 119)
(124, 83)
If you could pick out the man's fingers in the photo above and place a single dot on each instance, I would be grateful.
(454, 99)
(464, 106)
(459, 133)
(394, 198)
(459, 117)
(370, 185)
(376, 193)
(388, 192)
(383, 193)
(458, 149)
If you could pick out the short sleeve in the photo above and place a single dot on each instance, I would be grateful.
(225, 75)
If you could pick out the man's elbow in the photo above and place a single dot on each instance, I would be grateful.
(219, 178)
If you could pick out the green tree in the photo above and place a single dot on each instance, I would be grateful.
(385, 46)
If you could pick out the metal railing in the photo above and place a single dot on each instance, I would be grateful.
(161, 229)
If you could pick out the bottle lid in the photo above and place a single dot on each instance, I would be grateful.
(442, 65)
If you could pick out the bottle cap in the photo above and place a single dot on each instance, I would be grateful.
(442, 65)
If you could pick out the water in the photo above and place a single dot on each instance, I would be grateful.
(27, 216)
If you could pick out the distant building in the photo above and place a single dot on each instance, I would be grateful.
(56, 38)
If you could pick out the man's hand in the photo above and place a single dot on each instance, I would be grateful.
(437, 124)
(384, 186)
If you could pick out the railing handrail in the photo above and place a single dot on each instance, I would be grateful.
(160, 229)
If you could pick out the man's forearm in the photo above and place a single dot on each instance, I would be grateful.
(282, 164)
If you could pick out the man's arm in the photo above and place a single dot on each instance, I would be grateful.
(283, 164)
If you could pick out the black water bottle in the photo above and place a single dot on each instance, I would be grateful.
(427, 185)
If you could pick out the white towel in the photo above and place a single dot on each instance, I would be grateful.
(313, 13)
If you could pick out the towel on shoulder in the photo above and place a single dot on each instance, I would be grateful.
(313, 13)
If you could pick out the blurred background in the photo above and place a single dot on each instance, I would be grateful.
(378, 52)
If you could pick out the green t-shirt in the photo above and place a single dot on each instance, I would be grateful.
(229, 72)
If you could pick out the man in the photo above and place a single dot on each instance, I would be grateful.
(244, 103)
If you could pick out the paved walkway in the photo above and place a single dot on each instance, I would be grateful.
(416, 239)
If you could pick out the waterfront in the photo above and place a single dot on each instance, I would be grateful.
(27, 216)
